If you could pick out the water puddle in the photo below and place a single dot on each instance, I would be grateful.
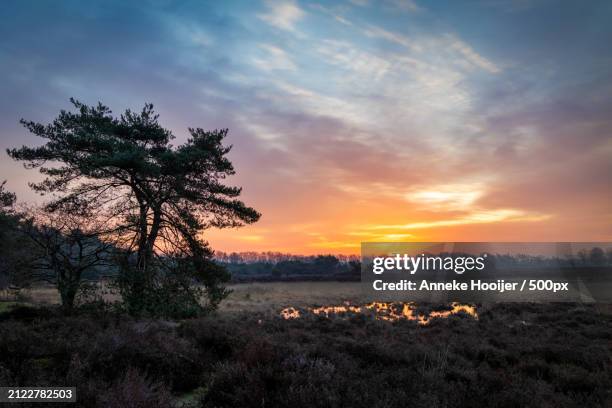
(393, 311)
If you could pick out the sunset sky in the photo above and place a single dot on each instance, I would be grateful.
(351, 121)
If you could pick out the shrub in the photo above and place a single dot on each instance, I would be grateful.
(134, 390)
(250, 361)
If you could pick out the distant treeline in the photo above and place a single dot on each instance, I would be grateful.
(593, 257)
(284, 267)
(272, 257)
(277, 266)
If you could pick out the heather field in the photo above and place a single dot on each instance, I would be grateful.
(247, 355)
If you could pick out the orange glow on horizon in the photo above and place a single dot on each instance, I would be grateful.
(428, 215)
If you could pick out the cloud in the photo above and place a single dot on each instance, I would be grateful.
(351, 58)
(317, 104)
(190, 32)
(274, 58)
(387, 122)
(470, 55)
(283, 14)
(330, 12)
(378, 32)
(251, 238)
(438, 44)
(405, 5)
(476, 217)
(449, 197)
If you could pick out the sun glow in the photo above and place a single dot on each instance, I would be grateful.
(446, 197)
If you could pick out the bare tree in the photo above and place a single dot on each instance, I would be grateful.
(68, 248)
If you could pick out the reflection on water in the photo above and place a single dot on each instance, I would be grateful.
(290, 313)
(383, 311)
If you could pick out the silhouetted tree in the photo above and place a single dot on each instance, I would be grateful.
(15, 249)
(326, 263)
(67, 249)
(157, 197)
(7, 199)
(597, 256)
(354, 268)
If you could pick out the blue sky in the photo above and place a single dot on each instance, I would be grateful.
(351, 120)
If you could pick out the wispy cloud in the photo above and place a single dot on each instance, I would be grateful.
(477, 217)
(448, 197)
(332, 13)
(283, 14)
(274, 58)
(378, 32)
(405, 5)
(470, 55)
(354, 59)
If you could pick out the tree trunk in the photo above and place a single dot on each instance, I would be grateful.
(68, 294)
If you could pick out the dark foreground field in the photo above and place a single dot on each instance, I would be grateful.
(513, 356)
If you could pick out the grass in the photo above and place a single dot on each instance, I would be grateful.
(7, 306)
(274, 296)
(251, 297)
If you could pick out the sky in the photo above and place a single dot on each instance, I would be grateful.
(351, 121)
